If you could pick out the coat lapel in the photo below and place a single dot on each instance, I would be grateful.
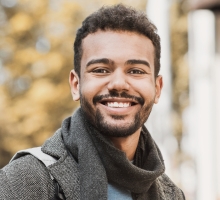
(65, 170)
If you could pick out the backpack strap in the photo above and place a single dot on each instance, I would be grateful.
(46, 160)
(37, 153)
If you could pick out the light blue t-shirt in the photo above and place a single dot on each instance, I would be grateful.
(116, 192)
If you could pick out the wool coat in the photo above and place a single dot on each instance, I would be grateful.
(26, 178)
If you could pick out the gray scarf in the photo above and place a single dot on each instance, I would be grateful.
(100, 162)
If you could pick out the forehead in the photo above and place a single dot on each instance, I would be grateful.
(118, 46)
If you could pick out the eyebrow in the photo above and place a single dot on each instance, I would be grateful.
(107, 61)
(101, 60)
(135, 61)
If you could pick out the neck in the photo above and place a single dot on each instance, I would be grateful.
(127, 144)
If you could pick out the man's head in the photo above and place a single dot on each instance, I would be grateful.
(115, 57)
(117, 18)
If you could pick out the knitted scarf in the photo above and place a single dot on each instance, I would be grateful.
(99, 162)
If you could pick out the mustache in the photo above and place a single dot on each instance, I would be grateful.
(113, 94)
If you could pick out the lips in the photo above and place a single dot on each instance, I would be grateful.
(114, 96)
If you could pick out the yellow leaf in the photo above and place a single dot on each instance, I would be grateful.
(21, 22)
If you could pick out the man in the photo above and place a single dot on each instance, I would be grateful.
(103, 151)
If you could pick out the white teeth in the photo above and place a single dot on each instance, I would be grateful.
(121, 104)
(118, 105)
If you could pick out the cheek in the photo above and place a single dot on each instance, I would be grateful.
(89, 88)
(93, 86)
(86, 93)
(146, 89)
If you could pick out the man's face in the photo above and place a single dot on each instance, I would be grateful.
(117, 87)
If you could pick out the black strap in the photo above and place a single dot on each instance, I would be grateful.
(59, 195)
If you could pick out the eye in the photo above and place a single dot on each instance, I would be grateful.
(136, 71)
(100, 71)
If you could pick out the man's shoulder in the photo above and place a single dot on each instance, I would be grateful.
(168, 189)
(32, 172)
(21, 176)
(25, 164)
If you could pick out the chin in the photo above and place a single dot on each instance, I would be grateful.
(116, 131)
(117, 126)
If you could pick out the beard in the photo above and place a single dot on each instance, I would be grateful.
(97, 119)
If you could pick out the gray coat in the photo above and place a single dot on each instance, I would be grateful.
(28, 179)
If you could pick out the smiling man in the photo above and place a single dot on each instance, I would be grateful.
(104, 151)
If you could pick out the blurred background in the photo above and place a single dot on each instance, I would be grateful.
(36, 56)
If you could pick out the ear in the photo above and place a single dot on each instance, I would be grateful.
(158, 87)
(74, 85)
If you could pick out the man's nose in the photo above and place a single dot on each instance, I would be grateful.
(118, 81)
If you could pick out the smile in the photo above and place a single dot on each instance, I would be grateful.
(118, 104)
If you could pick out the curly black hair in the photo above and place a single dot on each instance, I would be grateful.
(117, 18)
